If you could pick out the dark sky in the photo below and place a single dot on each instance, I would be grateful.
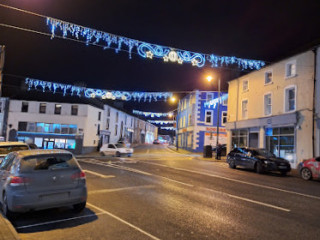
(263, 30)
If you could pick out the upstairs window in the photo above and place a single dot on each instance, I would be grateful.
(24, 107)
(244, 109)
(209, 116)
(291, 69)
(74, 110)
(224, 117)
(42, 108)
(57, 109)
(267, 104)
(245, 85)
(209, 96)
(267, 77)
(290, 99)
(99, 116)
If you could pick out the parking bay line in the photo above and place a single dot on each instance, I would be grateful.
(98, 174)
(123, 221)
(235, 180)
(119, 189)
(58, 221)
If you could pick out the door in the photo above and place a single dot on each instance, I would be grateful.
(48, 144)
(5, 167)
(254, 140)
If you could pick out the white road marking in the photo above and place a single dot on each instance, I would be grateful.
(98, 174)
(120, 189)
(235, 180)
(248, 200)
(123, 221)
(169, 179)
(57, 221)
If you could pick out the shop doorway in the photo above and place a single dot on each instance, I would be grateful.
(48, 144)
(254, 140)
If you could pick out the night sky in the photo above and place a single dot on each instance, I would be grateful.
(262, 30)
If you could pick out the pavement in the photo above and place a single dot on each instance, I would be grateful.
(7, 231)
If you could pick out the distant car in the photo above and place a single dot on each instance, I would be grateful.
(310, 169)
(258, 159)
(156, 141)
(117, 150)
(41, 179)
(32, 146)
(8, 147)
(223, 149)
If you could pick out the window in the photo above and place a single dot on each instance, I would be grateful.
(24, 107)
(99, 116)
(209, 96)
(268, 77)
(245, 85)
(56, 128)
(225, 100)
(267, 104)
(22, 126)
(42, 107)
(209, 116)
(31, 127)
(0, 107)
(40, 127)
(244, 109)
(117, 117)
(224, 117)
(71, 144)
(290, 99)
(239, 138)
(107, 124)
(184, 121)
(74, 110)
(291, 69)
(64, 129)
(98, 129)
(57, 109)
(72, 129)
(116, 130)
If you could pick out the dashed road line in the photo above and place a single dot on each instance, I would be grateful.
(120, 189)
(98, 174)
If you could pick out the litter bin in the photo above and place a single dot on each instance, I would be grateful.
(207, 151)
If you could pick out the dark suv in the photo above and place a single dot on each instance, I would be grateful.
(258, 159)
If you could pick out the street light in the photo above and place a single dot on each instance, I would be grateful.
(209, 79)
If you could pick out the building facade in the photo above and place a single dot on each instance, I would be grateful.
(197, 120)
(273, 108)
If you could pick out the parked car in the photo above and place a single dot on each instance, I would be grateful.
(259, 159)
(310, 169)
(223, 149)
(8, 147)
(117, 150)
(41, 179)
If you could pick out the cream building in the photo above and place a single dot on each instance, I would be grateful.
(273, 108)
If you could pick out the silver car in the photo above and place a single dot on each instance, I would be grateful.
(41, 179)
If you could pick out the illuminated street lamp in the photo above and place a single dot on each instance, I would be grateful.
(209, 79)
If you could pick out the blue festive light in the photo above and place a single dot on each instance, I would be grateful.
(152, 114)
(67, 89)
(215, 101)
(161, 122)
(144, 49)
(168, 128)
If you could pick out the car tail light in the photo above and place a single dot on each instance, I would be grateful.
(78, 175)
(18, 181)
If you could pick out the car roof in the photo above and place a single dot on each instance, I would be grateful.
(13, 144)
(34, 152)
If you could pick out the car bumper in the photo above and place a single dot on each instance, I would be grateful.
(276, 167)
(25, 201)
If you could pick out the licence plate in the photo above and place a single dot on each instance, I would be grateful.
(55, 196)
(283, 167)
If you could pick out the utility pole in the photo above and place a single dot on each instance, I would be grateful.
(2, 53)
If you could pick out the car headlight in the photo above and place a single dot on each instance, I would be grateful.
(266, 162)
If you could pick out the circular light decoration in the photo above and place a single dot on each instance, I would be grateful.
(173, 56)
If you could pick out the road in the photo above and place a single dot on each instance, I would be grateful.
(160, 194)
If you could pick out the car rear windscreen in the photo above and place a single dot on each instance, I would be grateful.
(48, 162)
(12, 148)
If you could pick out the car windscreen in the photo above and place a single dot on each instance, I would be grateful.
(48, 162)
(263, 152)
(12, 148)
(120, 145)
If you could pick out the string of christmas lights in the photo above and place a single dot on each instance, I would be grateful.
(95, 93)
(168, 128)
(213, 103)
(144, 49)
(161, 122)
(152, 114)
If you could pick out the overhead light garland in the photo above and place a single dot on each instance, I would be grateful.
(161, 122)
(168, 128)
(215, 101)
(144, 49)
(67, 89)
(152, 114)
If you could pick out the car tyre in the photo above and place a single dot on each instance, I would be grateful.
(259, 168)
(306, 174)
(232, 164)
(117, 154)
(79, 206)
(5, 210)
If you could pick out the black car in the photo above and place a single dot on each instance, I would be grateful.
(257, 159)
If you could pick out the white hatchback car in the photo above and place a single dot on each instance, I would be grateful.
(117, 149)
(8, 147)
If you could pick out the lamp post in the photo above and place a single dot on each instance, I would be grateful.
(209, 78)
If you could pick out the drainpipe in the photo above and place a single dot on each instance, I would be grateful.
(314, 112)
(2, 53)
